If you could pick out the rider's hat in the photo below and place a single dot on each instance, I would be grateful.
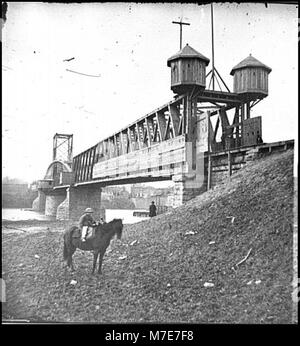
(89, 210)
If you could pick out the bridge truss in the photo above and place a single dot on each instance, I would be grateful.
(174, 120)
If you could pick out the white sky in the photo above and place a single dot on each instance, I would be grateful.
(128, 46)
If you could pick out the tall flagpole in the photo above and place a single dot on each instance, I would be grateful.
(212, 41)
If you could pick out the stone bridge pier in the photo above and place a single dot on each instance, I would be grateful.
(40, 202)
(53, 200)
(77, 199)
(185, 189)
(68, 202)
(192, 181)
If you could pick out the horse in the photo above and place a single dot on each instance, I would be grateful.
(98, 243)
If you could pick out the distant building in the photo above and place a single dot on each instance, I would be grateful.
(148, 191)
(141, 195)
(115, 191)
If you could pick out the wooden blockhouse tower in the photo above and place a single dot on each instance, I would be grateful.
(250, 78)
(250, 86)
(188, 70)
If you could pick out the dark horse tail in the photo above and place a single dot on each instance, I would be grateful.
(67, 242)
(65, 249)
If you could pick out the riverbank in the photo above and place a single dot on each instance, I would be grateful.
(27, 226)
(224, 257)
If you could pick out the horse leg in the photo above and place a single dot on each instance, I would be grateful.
(72, 265)
(96, 254)
(100, 262)
(70, 259)
(70, 262)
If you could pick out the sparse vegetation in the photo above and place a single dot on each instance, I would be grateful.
(159, 270)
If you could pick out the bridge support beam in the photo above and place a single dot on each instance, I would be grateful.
(39, 203)
(77, 200)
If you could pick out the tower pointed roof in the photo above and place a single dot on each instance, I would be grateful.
(250, 61)
(187, 52)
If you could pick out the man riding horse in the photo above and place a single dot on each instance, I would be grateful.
(103, 233)
(98, 243)
(85, 222)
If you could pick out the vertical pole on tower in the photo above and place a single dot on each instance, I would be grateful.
(180, 24)
(212, 47)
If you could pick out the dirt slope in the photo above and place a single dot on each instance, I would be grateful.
(158, 272)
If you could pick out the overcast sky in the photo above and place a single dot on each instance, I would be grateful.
(126, 47)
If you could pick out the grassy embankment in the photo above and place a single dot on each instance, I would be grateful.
(158, 272)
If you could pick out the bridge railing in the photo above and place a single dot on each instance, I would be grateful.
(164, 123)
(170, 121)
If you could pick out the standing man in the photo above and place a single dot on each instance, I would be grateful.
(152, 209)
(85, 222)
(259, 139)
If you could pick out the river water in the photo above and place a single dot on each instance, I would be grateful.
(125, 214)
(14, 214)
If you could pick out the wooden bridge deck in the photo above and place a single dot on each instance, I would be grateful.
(161, 162)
